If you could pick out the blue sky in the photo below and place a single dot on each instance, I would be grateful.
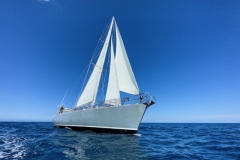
(186, 53)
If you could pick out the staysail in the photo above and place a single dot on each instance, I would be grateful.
(112, 90)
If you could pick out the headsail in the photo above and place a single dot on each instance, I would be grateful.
(90, 91)
(126, 80)
(113, 90)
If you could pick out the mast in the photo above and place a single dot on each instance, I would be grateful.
(90, 91)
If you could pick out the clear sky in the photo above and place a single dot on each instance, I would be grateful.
(185, 52)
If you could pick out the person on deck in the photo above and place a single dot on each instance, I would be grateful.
(61, 110)
(141, 98)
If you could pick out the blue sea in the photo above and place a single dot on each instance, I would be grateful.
(40, 140)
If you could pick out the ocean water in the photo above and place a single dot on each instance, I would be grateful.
(19, 140)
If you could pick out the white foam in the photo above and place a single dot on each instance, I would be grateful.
(2, 154)
(137, 134)
(20, 154)
(68, 128)
(14, 147)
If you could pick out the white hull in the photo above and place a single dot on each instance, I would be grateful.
(118, 118)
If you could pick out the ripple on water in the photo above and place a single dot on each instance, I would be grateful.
(153, 141)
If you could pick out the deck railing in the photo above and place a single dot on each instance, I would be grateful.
(141, 98)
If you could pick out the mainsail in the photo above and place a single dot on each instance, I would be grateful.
(121, 77)
(90, 91)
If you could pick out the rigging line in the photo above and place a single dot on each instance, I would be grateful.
(84, 81)
(104, 78)
(106, 72)
(77, 83)
(114, 37)
(101, 39)
(109, 57)
(99, 44)
(93, 57)
(79, 78)
(101, 68)
(103, 35)
(95, 50)
(107, 67)
(64, 97)
(102, 85)
(71, 90)
(107, 84)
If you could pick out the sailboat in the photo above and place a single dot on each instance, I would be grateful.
(113, 114)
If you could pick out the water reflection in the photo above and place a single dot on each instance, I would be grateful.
(91, 145)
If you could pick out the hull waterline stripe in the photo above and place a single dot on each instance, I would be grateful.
(65, 125)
